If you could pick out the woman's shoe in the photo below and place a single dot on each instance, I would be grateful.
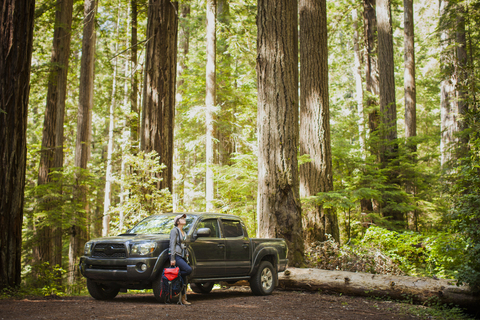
(184, 301)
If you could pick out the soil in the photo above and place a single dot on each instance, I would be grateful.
(228, 303)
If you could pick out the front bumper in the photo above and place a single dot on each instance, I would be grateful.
(129, 269)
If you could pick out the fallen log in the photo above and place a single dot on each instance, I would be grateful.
(364, 284)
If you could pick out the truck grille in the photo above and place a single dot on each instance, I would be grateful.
(109, 250)
(101, 267)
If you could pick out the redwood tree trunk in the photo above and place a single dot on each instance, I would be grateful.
(16, 37)
(315, 176)
(388, 109)
(409, 74)
(210, 99)
(52, 140)
(278, 204)
(158, 115)
(78, 234)
(134, 92)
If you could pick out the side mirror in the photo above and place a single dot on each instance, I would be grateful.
(203, 232)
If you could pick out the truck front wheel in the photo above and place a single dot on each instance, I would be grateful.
(263, 282)
(205, 287)
(100, 291)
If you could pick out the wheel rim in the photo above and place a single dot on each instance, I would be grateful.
(266, 279)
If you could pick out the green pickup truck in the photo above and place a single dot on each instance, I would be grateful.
(219, 250)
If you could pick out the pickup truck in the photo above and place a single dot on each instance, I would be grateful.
(219, 250)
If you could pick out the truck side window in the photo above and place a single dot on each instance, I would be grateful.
(212, 224)
(232, 228)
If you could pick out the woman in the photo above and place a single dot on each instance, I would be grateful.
(178, 251)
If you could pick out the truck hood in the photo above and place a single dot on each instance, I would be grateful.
(134, 237)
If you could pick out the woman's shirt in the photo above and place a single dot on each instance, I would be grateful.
(177, 243)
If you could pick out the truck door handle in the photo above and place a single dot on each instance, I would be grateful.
(221, 245)
(245, 245)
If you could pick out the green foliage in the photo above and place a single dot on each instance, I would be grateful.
(465, 212)
(142, 197)
(439, 254)
(43, 280)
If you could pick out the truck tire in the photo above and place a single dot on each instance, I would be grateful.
(263, 282)
(157, 288)
(100, 291)
(205, 287)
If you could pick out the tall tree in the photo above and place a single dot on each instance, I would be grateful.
(134, 112)
(371, 82)
(357, 71)
(278, 204)
(409, 74)
(410, 95)
(52, 137)
(78, 233)
(315, 176)
(16, 38)
(158, 116)
(388, 109)
(111, 126)
(180, 159)
(210, 99)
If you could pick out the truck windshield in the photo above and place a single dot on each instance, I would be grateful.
(162, 224)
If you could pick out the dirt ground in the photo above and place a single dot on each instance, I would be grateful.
(229, 303)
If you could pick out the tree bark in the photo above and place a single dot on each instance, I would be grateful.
(365, 284)
(210, 100)
(462, 78)
(180, 156)
(315, 176)
(134, 112)
(371, 83)
(388, 109)
(409, 75)
(278, 205)
(16, 38)
(51, 155)
(158, 115)
(78, 235)
(108, 175)
(357, 70)
(410, 99)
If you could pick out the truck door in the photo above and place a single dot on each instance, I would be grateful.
(209, 252)
(238, 257)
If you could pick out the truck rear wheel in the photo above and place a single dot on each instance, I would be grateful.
(100, 291)
(263, 282)
(205, 287)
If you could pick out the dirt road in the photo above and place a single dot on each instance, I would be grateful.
(231, 303)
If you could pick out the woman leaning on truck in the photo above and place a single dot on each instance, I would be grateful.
(178, 251)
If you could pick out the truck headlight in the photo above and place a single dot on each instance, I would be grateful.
(88, 248)
(143, 248)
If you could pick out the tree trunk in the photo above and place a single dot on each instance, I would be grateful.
(108, 174)
(16, 37)
(365, 284)
(357, 70)
(388, 109)
(410, 99)
(278, 205)
(210, 99)
(462, 78)
(224, 128)
(134, 93)
(78, 235)
(315, 176)
(51, 156)
(409, 75)
(371, 82)
(180, 157)
(158, 115)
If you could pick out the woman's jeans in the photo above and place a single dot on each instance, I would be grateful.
(185, 269)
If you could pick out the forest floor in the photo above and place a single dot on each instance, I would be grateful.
(228, 303)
